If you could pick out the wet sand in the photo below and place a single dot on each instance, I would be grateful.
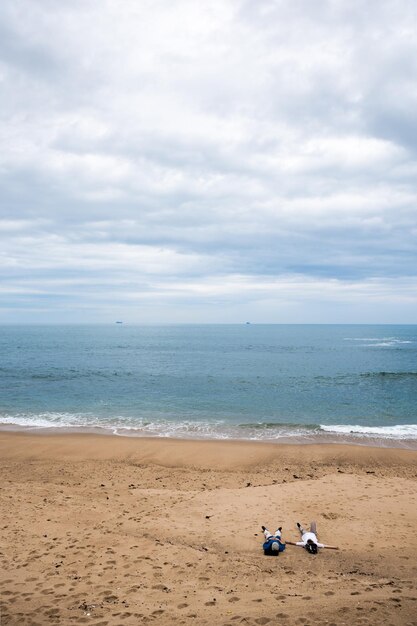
(107, 530)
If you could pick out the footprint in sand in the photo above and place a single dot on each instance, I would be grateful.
(110, 599)
(161, 588)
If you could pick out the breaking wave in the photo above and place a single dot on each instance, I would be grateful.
(212, 429)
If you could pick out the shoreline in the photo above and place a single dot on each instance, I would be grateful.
(82, 445)
(322, 438)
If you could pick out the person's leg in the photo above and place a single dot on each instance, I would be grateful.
(267, 534)
(313, 528)
(278, 533)
(301, 529)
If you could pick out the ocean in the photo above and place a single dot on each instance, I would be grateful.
(287, 383)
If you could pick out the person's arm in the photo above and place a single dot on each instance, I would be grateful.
(292, 543)
(321, 545)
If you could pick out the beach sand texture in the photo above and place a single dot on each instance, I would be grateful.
(107, 530)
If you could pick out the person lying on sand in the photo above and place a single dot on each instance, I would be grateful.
(273, 544)
(309, 539)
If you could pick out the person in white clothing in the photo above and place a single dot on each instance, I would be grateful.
(309, 539)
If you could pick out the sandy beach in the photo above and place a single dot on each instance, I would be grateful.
(107, 530)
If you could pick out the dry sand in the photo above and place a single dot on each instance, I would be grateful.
(106, 530)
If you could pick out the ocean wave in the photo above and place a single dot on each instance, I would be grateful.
(378, 339)
(44, 420)
(390, 375)
(380, 342)
(386, 344)
(362, 338)
(208, 429)
(73, 374)
(275, 425)
(194, 429)
(399, 431)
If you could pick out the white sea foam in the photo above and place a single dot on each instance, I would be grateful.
(385, 344)
(379, 342)
(191, 430)
(400, 431)
(362, 338)
(42, 420)
(141, 427)
(204, 429)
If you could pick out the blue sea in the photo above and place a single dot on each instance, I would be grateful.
(287, 383)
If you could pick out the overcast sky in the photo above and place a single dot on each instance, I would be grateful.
(218, 161)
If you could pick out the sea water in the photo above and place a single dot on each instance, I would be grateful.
(262, 382)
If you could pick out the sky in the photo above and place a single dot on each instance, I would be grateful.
(174, 161)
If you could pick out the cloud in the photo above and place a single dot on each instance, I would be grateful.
(155, 149)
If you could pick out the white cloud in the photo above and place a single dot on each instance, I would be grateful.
(188, 141)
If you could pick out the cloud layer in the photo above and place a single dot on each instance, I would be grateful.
(181, 161)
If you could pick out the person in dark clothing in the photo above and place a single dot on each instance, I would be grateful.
(273, 544)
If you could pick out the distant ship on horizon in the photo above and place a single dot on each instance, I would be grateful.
(118, 322)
